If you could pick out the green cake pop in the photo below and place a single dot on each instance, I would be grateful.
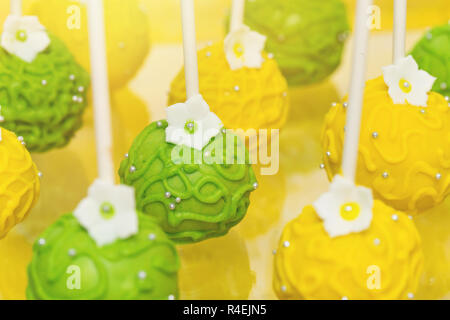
(432, 54)
(42, 95)
(306, 37)
(191, 201)
(131, 258)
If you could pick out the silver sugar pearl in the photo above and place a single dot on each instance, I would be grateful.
(132, 169)
(72, 77)
(152, 236)
(236, 88)
(171, 297)
(270, 55)
(274, 251)
(344, 298)
(322, 166)
(40, 175)
(20, 138)
(167, 194)
(446, 98)
(177, 199)
(374, 135)
(286, 244)
(376, 241)
(345, 104)
(385, 175)
(2, 118)
(283, 288)
(172, 206)
(126, 155)
(422, 111)
(255, 185)
(394, 217)
(159, 124)
(328, 153)
(80, 89)
(443, 85)
(438, 176)
(208, 54)
(75, 99)
(44, 82)
(334, 104)
(142, 275)
(410, 295)
(41, 241)
(429, 36)
(72, 252)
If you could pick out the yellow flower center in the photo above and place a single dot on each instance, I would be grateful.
(350, 211)
(238, 50)
(107, 210)
(405, 85)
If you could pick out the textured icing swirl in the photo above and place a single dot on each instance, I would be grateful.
(432, 54)
(19, 182)
(110, 272)
(247, 98)
(407, 164)
(44, 113)
(307, 37)
(213, 197)
(315, 266)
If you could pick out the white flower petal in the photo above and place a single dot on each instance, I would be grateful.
(328, 207)
(417, 98)
(177, 115)
(420, 82)
(197, 107)
(120, 224)
(252, 44)
(37, 39)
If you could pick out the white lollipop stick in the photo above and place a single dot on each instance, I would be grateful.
(100, 90)
(16, 7)
(399, 29)
(357, 85)
(237, 14)
(190, 48)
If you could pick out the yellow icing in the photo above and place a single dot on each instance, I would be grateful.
(382, 262)
(405, 85)
(404, 151)
(19, 182)
(247, 98)
(15, 255)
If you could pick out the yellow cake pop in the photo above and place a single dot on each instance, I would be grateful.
(127, 33)
(382, 262)
(19, 181)
(216, 269)
(404, 150)
(434, 230)
(246, 98)
(15, 255)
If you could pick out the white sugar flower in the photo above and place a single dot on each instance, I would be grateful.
(243, 48)
(192, 123)
(345, 208)
(407, 83)
(108, 212)
(24, 37)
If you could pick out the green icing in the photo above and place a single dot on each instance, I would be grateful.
(432, 54)
(110, 272)
(213, 196)
(306, 37)
(43, 113)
